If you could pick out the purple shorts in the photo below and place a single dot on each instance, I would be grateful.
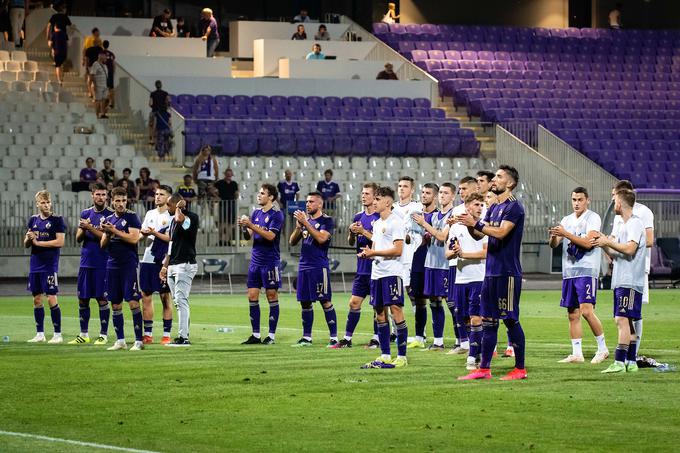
(387, 291)
(627, 303)
(361, 286)
(452, 280)
(149, 279)
(267, 277)
(577, 291)
(121, 285)
(500, 297)
(91, 283)
(417, 288)
(466, 296)
(314, 284)
(43, 283)
(436, 282)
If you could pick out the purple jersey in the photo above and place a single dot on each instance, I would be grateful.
(123, 254)
(288, 191)
(420, 254)
(314, 256)
(328, 189)
(88, 174)
(367, 221)
(92, 256)
(266, 253)
(45, 259)
(503, 256)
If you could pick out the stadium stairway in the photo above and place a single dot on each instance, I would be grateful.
(484, 135)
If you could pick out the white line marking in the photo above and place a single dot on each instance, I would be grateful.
(73, 442)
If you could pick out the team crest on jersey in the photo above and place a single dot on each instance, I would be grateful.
(266, 219)
(372, 222)
(317, 226)
(48, 225)
(305, 234)
(384, 229)
(123, 223)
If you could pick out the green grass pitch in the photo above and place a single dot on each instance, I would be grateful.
(221, 396)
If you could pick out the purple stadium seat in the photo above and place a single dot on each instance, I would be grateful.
(419, 55)
(383, 112)
(386, 102)
(186, 99)
(204, 99)
(366, 113)
(241, 100)
(369, 102)
(333, 101)
(280, 101)
(469, 55)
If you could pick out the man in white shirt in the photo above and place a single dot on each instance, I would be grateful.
(413, 233)
(155, 232)
(469, 255)
(580, 271)
(386, 285)
(647, 217)
(627, 252)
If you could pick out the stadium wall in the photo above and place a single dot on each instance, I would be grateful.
(339, 69)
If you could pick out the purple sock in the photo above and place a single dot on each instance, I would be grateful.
(621, 352)
(137, 322)
(273, 316)
(375, 327)
(104, 315)
(402, 338)
(167, 326)
(39, 315)
(119, 323)
(254, 315)
(489, 340)
(84, 312)
(421, 320)
(509, 338)
(438, 319)
(352, 320)
(475, 340)
(148, 327)
(331, 320)
(384, 337)
(516, 334)
(452, 310)
(307, 321)
(461, 327)
(632, 351)
(55, 314)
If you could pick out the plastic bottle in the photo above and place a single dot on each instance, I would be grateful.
(5, 339)
(665, 368)
(225, 329)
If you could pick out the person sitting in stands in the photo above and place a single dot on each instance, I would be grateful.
(388, 73)
(322, 34)
(300, 34)
(316, 53)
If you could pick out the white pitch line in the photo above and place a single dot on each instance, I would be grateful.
(73, 442)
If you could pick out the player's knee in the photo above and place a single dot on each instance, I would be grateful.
(327, 305)
(490, 323)
(134, 305)
(435, 303)
(586, 310)
(272, 294)
(306, 305)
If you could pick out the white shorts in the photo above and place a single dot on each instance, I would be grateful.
(406, 274)
(645, 293)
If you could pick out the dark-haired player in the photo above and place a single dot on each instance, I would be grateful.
(264, 226)
(580, 271)
(45, 238)
(92, 272)
(387, 290)
(360, 234)
(155, 230)
(504, 225)
(121, 235)
(315, 229)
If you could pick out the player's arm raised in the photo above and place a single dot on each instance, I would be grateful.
(440, 235)
(296, 235)
(28, 239)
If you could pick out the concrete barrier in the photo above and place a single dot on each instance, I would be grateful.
(332, 69)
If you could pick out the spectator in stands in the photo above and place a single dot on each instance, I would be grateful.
(228, 191)
(183, 31)
(100, 74)
(159, 101)
(387, 73)
(89, 173)
(614, 17)
(322, 34)
(316, 53)
(56, 33)
(108, 174)
(205, 168)
(209, 32)
(130, 185)
(288, 189)
(5, 26)
(162, 25)
(163, 133)
(330, 190)
(390, 16)
(187, 191)
(110, 63)
(92, 46)
(300, 34)
(144, 184)
(16, 17)
(302, 17)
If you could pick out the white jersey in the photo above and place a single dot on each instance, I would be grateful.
(159, 222)
(385, 232)
(411, 228)
(468, 270)
(647, 217)
(629, 271)
(458, 210)
(589, 264)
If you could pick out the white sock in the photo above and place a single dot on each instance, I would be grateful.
(166, 334)
(271, 335)
(385, 357)
(348, 338)
(334, 338)
(84, 335)
(511, 347)
(121, 341)
(420, 339)
(576, 347)
(401, 356)
(57, 334)
(601, 344)
(307, 338)
(438, 341)
(465, 344)
(256, 335)
(375, 337)
(148, 334)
